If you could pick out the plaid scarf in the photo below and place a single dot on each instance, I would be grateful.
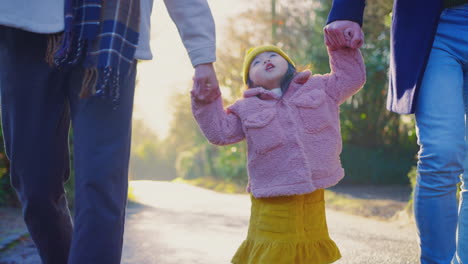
(101, 35)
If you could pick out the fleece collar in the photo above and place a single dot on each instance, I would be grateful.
(262, 93)
(269, 95)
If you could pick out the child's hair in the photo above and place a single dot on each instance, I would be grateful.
(285, 81)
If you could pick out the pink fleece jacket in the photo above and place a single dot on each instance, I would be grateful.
(294, 141)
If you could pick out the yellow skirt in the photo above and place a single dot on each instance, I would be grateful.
(288, 230)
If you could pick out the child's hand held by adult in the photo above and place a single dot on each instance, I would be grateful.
(205, 84)
(343, 33)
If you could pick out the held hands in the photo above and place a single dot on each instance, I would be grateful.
(205, 84)
(343, 34)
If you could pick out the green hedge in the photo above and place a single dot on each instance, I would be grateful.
(376, 166)
(7, 194)
(362, 166)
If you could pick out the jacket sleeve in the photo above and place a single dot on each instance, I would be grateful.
(220, 127)
(347, 10)
(348, 74)
(196, 28)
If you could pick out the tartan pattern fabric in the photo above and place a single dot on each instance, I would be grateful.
(102, 35)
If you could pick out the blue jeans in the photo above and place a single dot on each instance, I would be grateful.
(441, 127)
(38, 104)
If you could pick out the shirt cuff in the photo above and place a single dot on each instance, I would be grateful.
(352, 10)
(203, 55)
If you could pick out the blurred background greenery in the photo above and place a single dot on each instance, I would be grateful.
(379, 146)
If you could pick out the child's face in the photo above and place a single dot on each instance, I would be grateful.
(267, 70)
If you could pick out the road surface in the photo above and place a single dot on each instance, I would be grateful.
(174, 223)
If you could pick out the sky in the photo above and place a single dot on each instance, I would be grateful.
(170, 71)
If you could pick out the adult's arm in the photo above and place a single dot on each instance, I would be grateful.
(351, 10)
(196, 28)
(344, 24)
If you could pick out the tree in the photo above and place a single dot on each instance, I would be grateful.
(147, 159)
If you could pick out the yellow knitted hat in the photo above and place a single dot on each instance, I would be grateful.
(251, 53)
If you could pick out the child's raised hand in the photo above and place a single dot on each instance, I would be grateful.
(343, 33)
(205, 84)
(352, 41)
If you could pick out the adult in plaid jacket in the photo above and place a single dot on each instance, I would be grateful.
(39, 101)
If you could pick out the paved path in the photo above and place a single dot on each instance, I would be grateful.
(179, 223)
(174, 223)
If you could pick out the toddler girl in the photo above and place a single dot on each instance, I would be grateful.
(291, 123)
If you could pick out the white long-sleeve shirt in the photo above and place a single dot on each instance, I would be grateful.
(192, 17)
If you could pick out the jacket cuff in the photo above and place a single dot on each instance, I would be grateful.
(352, 10)
(210, 99)
(203, 55)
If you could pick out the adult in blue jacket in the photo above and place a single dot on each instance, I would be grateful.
(428, 77)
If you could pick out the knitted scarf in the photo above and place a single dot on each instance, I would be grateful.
(102, 36)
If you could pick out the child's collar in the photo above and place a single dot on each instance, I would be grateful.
(262, 92)
(265, 94)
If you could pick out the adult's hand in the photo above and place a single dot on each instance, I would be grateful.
(343, 33)
(205, 84)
